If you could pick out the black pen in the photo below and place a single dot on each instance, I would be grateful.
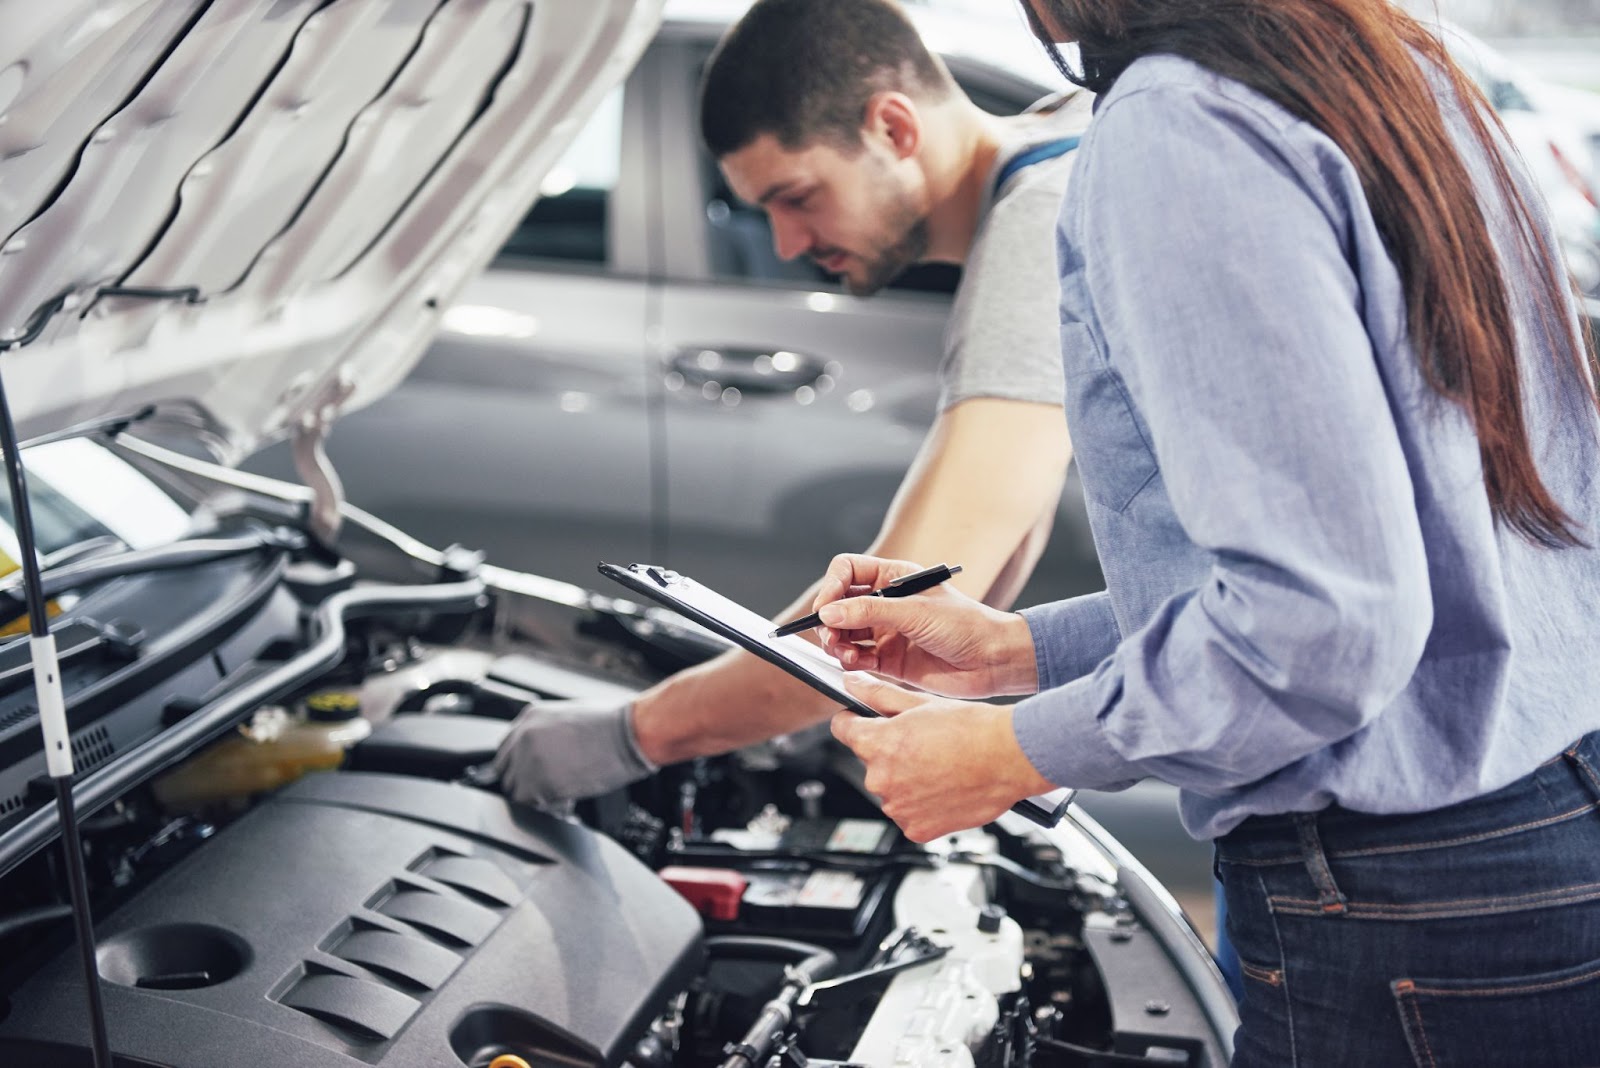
(904, 586)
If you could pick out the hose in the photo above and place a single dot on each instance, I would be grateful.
(811, 963)
(806, 955)
(21, 921)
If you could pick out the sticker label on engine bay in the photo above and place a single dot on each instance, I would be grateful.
(857, 836)
(831, 890)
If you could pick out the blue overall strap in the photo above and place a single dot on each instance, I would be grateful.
(1036, 154)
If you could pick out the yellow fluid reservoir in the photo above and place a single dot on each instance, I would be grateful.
(276, 747)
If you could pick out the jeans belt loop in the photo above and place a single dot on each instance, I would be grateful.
(1583, 766)
(1329, 897)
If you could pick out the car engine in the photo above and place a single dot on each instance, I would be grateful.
(298, 857)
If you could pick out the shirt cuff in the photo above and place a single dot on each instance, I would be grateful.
(1071, 637)
(1061, 735)
(630, 742)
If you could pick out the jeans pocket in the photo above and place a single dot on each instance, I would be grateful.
(1269, 976)
(1551, 1019)
(1265, 1038)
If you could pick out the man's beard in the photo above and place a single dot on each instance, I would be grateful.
(884, 264)
(890, 261)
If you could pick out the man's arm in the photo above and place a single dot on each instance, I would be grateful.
(982, 492)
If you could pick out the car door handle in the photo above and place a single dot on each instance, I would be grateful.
(748, 370)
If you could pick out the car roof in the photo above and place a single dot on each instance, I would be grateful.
(995, 45)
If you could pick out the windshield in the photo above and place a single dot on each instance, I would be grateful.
(80, 491)
(85, 500)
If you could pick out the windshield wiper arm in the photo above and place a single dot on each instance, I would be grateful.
(187, 553)
(108, 426)
(77, 641)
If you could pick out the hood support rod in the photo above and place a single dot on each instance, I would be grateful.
(48, 696)
(311, 462)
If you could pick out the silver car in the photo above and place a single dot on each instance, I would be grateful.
(638, 376)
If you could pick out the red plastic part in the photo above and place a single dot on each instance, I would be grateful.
(715, 893)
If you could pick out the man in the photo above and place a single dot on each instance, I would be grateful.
(867, 157)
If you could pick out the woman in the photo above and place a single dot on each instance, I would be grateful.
(1340, 446)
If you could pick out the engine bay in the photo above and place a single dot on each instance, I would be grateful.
(297, 855)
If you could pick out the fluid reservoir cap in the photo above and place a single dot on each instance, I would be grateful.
(333, 706)
(509, 1060)
(715, 893)
(989, 918)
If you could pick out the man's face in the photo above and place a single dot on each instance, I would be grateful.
(856, 215)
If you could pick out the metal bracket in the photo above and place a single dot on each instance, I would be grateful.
(910, 950)
(788, 1055)
(311, 458)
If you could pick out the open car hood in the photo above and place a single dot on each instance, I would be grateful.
(252, 213)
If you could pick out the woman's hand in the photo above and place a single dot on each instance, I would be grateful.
(937, 765)
(939, 640)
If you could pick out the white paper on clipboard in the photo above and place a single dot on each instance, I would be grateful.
(710, 608)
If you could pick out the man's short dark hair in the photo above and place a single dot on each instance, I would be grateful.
(804, 69)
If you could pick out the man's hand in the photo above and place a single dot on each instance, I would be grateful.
(565, 750)
(937, 765)
(939, 640)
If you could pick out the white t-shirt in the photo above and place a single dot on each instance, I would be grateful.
(1002, 339)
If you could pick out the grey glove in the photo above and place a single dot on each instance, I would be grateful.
(564, 750)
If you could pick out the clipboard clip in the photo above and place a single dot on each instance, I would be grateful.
(661, 576)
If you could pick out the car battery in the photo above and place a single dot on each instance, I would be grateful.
(821, 904)
(816, 881)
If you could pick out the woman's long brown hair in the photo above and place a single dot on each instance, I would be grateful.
(1349, 68)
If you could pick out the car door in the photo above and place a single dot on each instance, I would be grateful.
(523, 431)
(790, 409)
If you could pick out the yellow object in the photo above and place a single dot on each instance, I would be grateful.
(274, 749)
(20, 624)
(509, 1060)
(328, 704)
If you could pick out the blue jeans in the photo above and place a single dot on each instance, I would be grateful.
(1227, 959)
(1469, 935)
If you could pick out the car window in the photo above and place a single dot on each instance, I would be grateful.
(84, 500)
(739, 238)
(92, 492)
(79, 492)
(1489, 75)
(571, 219)
(1506, 96)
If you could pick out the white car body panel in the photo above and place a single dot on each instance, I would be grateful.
(371, 157)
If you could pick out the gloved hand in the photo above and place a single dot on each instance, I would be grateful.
(564, 750)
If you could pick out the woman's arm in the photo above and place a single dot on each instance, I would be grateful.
(1213, 237)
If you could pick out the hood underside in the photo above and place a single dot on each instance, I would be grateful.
(249, 212)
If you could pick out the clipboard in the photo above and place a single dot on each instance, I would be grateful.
(751, 631)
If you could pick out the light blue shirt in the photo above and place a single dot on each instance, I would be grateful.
(1308, 600)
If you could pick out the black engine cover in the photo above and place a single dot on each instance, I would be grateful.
(396, 921)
